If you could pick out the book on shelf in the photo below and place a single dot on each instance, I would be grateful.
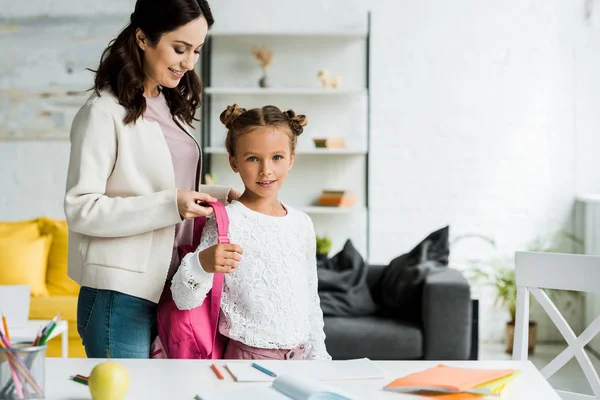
(284, 387)
(336, 198)
(464, 383)
(330, 142)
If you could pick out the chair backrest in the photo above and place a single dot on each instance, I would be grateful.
(537, 271)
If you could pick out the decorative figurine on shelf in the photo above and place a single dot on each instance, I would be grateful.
(329, 81)
(264, 56)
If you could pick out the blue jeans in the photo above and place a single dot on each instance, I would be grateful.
(115, 325)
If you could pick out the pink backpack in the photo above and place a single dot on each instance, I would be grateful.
(193, 334)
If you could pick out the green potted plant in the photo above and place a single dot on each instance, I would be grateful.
(500, 274)
(502, 278)
(323, 247)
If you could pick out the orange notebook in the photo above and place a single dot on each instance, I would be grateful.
(449, 380)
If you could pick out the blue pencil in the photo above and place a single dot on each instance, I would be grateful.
(263, 369)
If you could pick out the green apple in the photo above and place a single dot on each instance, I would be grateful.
(109, 381)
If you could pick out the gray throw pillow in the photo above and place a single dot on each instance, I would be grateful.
(401, 285)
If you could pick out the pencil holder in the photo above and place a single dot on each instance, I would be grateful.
(22, 372)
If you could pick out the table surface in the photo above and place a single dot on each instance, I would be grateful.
(30, 330)
(183, 379)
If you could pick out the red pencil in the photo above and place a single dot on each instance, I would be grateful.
(217, 372)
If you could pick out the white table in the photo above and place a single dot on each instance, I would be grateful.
(183, 379)
(28, 333)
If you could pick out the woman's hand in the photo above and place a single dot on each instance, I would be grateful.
(223, 258)
(233, 195)
(187, 204)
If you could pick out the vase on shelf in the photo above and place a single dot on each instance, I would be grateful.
(263, 82)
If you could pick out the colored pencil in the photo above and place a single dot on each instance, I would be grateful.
(47, 336)
(79, 379)
(263, 369)
(217, 372)
(5, 323)
(51, 324)
(38, 337)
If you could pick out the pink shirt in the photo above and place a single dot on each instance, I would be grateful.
(185, 155)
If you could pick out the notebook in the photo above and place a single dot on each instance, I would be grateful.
(14, 304)
(497, 387)
(284, 387)
(445, 379)
(361, 368)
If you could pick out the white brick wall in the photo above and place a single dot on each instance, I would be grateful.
(484, 114)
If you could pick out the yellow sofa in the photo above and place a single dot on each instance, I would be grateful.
(34, 252)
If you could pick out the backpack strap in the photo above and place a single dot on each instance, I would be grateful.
(222, 220)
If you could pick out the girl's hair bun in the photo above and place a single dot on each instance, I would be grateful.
(297, 122)
(229, 116)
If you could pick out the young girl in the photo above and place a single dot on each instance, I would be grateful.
(270, 306)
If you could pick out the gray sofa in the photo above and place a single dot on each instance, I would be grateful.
(443, 333)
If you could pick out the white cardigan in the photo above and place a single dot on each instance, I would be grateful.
(121, 201)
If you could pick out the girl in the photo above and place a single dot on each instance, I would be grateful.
(132, 183)
(270, 306)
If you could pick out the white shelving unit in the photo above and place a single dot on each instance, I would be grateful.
(316, 152)
(282, 91)
(332, 210)
(230, 75)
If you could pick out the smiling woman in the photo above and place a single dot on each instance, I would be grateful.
(133, 184)
(157, 49)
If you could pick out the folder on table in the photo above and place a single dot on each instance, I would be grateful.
(446, 379)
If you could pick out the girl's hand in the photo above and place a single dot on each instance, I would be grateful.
(233, 195)
(223, 258)
(187, 204)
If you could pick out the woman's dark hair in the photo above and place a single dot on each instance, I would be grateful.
(121, 65)
(240, 121)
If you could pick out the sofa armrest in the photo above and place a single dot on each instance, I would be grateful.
(446, 309)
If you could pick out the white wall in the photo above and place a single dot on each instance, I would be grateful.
(586, 67)
(484, 114)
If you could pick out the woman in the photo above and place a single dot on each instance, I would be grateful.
(132, 186)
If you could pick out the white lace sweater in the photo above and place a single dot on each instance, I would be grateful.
(270, 301)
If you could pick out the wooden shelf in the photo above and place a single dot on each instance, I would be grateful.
(320, 152)
(283, 91)
(331, 210)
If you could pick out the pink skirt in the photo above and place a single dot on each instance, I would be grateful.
(239, 351)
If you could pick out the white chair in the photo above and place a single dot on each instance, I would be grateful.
(537, 271)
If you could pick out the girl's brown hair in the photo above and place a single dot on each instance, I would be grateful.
(239, 121)
(121, 66)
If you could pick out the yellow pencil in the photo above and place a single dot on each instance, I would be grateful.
(5, 327)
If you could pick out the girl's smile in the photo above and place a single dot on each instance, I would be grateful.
(266, 184)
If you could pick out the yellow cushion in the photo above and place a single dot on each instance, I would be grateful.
(19, 229)
(24, 261)
(57, 280)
